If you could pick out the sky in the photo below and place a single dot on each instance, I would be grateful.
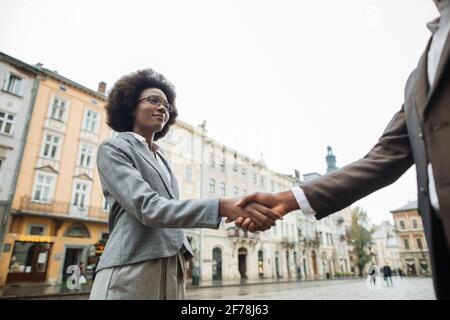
(280, 80)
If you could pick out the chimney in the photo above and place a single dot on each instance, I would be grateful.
(297, 174)
(102, 87)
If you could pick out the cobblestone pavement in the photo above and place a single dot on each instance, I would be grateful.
(351, 289)
(354, 289)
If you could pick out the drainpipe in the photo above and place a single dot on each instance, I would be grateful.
(203, 126)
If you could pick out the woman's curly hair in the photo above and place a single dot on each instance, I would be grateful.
(123, 97)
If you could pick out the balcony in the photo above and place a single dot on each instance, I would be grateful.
(62, 209)
(288, 242)
(239, 234)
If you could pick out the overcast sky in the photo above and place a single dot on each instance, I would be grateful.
(279, 78)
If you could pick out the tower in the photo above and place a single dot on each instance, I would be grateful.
(331, 160)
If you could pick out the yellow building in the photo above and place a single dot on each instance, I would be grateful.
(414, 254)
(58, 214)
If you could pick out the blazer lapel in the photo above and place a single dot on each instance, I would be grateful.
(423, 91)
(173, 181)
(442, 63)
(151, 160)
(421, 86)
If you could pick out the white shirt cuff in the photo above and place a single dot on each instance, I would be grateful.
(303, 203)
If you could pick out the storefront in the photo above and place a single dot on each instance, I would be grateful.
(29, 260)
(40, 250)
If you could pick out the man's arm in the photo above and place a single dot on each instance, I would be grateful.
(383, 165)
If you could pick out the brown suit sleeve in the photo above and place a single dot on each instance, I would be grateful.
(383, 165)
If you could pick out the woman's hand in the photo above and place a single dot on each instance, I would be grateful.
(281, 203)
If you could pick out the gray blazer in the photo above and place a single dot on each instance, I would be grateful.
(145, 211)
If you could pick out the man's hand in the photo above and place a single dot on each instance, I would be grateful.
(262, 218)
(281, 203)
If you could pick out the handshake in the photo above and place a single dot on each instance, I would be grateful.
(258, 211)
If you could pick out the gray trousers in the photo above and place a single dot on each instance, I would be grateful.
(158, 279)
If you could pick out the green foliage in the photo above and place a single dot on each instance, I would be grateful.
(361, 238)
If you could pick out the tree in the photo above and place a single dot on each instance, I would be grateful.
(361, 238)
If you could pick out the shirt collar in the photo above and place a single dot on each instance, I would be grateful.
(442, 5)
(144, 141)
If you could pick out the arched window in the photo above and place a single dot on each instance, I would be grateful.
(77, 230)
(261, 264)
(217, 264)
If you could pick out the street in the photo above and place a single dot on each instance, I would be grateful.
(349, 289)
(354, 289)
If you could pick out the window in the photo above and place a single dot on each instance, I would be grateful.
(212, 186)
(91, 120)
(235, 168)
(243, 192)
(14, 85)
(104, 237)
(105, 205)
(272, 186)
(415, 225)
(321, 238)
(29, 257)
(77, 230)
(261, 182)
(236, 191)
(419, 243)
(222, 165)
(254, 178)
(43, 188)
(189, 173)
(86, 156)
(51, 145)
(402, 225)
(6, 122)
(36, 230)
(188, 144)
(212, 159)
(1, 162)
(406, 243)
(243, 171)
(222, 189)
(80, 194)
(58, 109)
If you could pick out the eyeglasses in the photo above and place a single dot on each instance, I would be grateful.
(157, 101)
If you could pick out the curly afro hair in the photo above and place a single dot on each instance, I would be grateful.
(123, 97)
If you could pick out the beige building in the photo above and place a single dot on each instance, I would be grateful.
(58, 215)
(414, 255)
(323, 243)
(386, 246)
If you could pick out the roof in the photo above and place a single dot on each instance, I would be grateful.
(39, 69)
(72, 83)
(412, 205)
(17, 63)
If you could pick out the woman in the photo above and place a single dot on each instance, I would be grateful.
(144, 257)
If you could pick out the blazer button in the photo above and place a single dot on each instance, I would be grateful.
(420, 135)
(424, 192)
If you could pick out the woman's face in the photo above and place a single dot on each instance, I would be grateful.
(148, 115)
